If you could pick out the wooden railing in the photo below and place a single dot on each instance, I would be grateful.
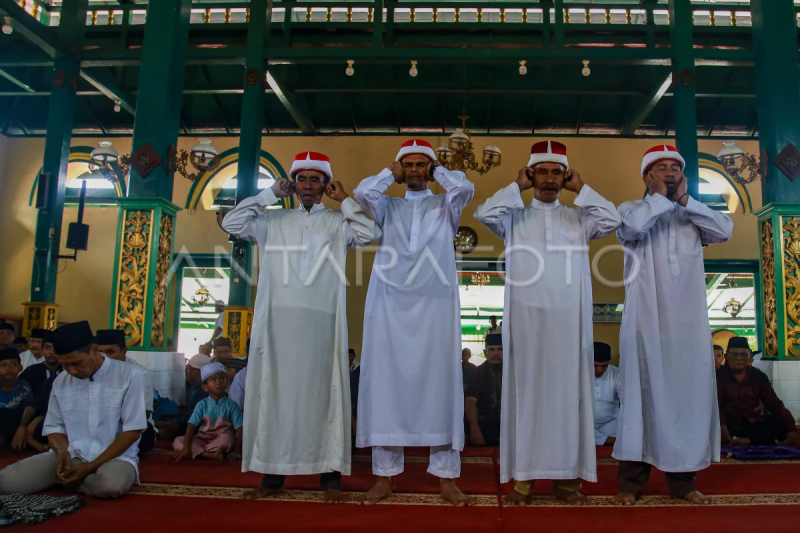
(404, 12)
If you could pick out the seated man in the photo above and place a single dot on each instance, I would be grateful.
(606, 396)
(111, 342)
(93, 424)
(37, 375)
(233, 366)
(33, 355)
(223, 350)
(719, 356)
(21, 344)
(484, 394)
(741, 391)
(7, 336)
(15, 395)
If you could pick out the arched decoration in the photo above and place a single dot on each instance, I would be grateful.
(710, 162)
(77, 154)
(228, 158)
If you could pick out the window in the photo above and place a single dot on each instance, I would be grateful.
(226, 197)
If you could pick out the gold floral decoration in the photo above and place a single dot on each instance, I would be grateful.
(235, 329)
(791, 282)
(51, 320)
(132, 275)
(768, 288)
(34, 320)
(162, 282)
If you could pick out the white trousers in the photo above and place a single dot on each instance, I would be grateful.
(388, 461)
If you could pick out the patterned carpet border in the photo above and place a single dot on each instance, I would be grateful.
(722, 500)
(723, 461)
(305, 496)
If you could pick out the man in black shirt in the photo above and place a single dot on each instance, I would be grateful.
(483, 395)
(36, 375)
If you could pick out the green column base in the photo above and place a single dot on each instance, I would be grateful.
(141, 291)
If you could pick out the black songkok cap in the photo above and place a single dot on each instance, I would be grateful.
(107, 337)
(602, 352)
(71, 337)
(6, 325)
(494, 339)
(738, 342)
(38, 333)
(10, 353)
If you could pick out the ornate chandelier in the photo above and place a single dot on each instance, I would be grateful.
(480, 279)
(733, 307)
(201, 296)
(457, 154)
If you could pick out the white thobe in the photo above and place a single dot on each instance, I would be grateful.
(297, 394)
(606, 405)
(27, 359)
(411, 391)
(92, 413)
(547, 419)
(669, 415)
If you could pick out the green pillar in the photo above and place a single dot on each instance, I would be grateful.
(778, 104)
(147, 217)
(158, 103)
(252, 124)
(41, 310)
(683, 78)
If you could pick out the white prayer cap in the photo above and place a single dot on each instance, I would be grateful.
(210, 369)
(199, 361)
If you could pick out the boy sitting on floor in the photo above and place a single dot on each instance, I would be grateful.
(15, 395)
(218, 417)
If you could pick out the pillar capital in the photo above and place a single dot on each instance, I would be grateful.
(43, 315)
(237, 324)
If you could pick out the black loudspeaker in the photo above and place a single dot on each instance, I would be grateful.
(78, 236)
(42, 191)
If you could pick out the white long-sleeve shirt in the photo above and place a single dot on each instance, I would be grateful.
(606, 405)
(92, 413)
(297, 395)
(669, 415)
(547, 420)
(411, 389)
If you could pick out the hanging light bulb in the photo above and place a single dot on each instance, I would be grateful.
(350, 70)
(117, 106)
(522, 68)
(586, 70)
(7, 28)
(413, 71)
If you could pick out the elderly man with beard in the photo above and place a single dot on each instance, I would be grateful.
(668, 415)
(547, 427)
(297, 412)
(411, 388)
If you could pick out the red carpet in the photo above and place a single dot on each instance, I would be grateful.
(177, 496)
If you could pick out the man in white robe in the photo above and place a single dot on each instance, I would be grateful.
(411, 389)
(669, 415)
(297, 394)
(547, 420)
(606, 396)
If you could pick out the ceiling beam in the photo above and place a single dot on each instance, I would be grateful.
(291, 104)
(16, 81)
(217, 102)
(105, 85)
(31, 29)
(648, 104)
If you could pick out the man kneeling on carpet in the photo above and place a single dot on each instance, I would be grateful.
(94, 421)
(743, 392)
(217, 417)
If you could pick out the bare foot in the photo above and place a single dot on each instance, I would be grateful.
(516, 498)
(381, 490)
(334, 496)
(571, 497)
(260, 492)
(450, 493)
(740, 442)
(697, 498)
(214, 456)
(625, 498)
